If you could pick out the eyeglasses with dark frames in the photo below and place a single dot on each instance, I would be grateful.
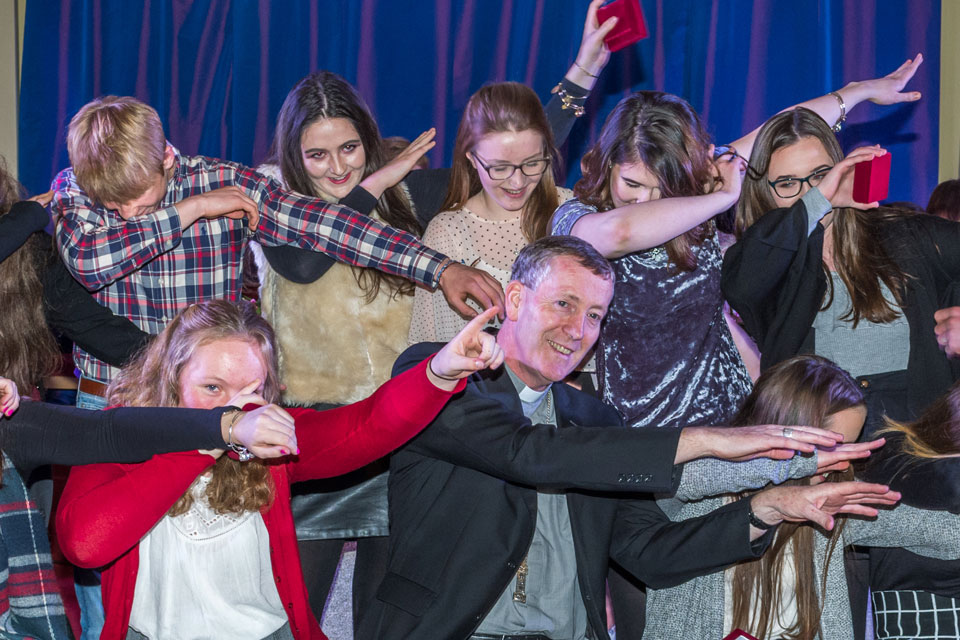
(504, 171)
(790, 187)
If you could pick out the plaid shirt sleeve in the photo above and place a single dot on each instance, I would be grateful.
(99, 247)
(342, 233)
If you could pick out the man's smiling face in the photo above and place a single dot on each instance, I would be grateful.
(557, 323)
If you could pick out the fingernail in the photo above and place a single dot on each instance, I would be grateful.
(298, 450)
(283, 451)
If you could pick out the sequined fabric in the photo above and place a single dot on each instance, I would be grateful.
(666, 356)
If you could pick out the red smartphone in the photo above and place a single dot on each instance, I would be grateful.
(739, 634)
(631, 26)
(871, 179)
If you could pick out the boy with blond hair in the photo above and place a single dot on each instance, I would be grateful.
(150, 231)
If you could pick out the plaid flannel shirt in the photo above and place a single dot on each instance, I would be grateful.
(149, 268)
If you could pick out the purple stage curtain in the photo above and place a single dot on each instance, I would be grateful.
(217, 71)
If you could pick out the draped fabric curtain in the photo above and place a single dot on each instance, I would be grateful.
(217, 71)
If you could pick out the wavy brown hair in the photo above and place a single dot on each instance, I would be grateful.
(152, 379)
(858, 251)
(936, 433)
(322, 95)
(28, 352)
(802, 390)
(663, 132)
(495, 108)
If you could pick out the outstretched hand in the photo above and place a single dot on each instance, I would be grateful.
(470, 351)
(459, 282)
(746, 443)
(397, 169)
(837, 185)
(819, 503)
(838, 458)
(889, 88)
(9, 397)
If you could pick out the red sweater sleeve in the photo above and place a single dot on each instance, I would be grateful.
(340, 440)
(107, 508)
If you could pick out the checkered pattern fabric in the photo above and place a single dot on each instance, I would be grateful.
(915, 614)
(149, 268)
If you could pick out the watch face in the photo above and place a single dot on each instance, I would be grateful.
(739, 634)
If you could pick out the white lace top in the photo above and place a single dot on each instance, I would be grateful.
(491, 245)
(206, 575)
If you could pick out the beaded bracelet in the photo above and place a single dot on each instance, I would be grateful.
(569, 101)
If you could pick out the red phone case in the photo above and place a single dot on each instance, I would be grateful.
(871, 179)
(631, 26)
(739, 634)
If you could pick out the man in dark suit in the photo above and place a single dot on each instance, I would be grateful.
(505, 511)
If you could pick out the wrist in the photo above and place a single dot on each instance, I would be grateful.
(375, 184)
(761, 515)
(228, 419)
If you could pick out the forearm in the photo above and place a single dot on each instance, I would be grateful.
(98, 255)
(711, 477)
(644, 225)
(346, 236)
(40, 433)
(340, 440)
(23, 219)
(96, 329)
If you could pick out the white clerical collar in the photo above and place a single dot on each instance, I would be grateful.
(532, 396)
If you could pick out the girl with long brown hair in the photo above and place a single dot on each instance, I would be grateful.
(199, 544)
(328, 144)
(668, 355)
(816, 272)
(502, 193)
(798, 589)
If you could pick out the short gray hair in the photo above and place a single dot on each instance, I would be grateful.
(533, 261)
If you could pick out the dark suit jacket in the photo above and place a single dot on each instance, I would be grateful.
(463, 507)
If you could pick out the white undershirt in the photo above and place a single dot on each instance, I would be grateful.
(206, 575)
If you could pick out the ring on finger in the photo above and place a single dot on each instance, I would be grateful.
(787, 432)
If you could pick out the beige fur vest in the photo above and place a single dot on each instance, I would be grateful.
(334, 346)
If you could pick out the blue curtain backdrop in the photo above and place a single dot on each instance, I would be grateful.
(218, 71)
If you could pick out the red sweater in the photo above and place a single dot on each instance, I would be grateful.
(107, 508)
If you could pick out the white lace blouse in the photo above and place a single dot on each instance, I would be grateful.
(206, 575)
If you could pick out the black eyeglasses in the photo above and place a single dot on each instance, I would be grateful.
(530, 168)
(791, 187)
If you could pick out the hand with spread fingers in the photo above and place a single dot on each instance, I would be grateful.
(398, 168)
(470, 351)
(758, 441)
(819, 503)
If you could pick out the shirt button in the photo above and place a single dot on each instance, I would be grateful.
(864, 384)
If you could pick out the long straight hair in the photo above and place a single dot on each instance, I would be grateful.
(321, 95)
(496, 108)
(802, 390)
(858, 252)
(663, 132)
(28, 351)
(152, 379)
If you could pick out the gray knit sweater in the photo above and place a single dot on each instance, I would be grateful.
(695, 609)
